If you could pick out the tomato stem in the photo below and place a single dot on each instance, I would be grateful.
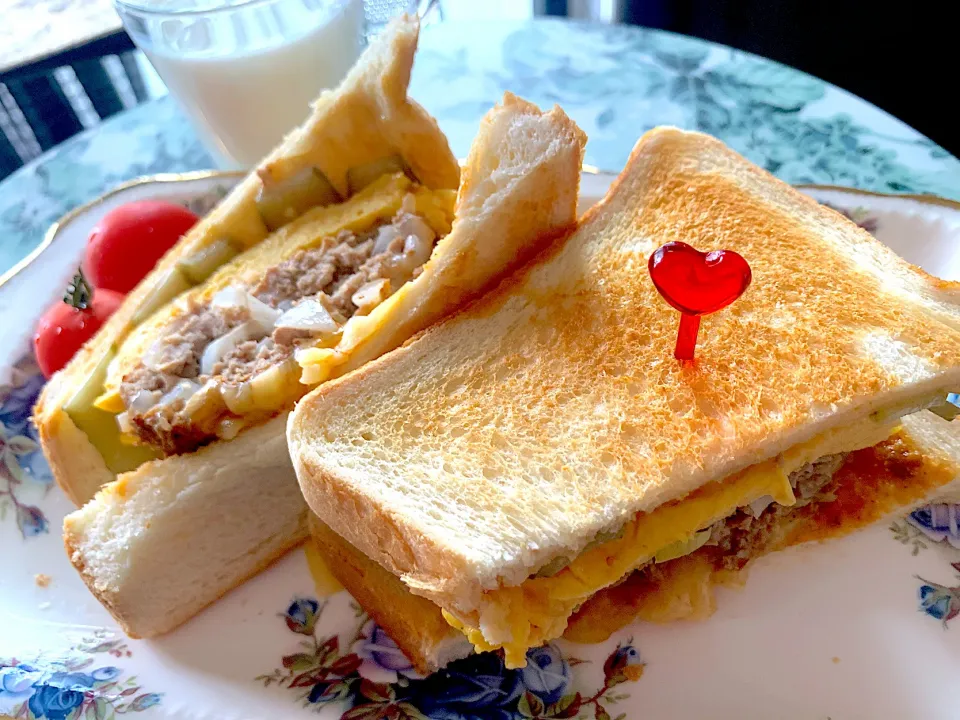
(79, 294)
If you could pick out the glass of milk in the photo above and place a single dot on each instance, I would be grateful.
(246, 71)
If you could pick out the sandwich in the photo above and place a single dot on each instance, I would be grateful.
(543, 445)
(918, 464)
(352, 236)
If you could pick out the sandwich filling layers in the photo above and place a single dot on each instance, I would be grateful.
(227, 359)
(730, 515)
(871, 483)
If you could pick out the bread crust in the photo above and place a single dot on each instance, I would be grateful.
(368, 117)
(413, 622)
(548, 371)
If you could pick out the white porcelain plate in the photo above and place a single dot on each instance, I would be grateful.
(857, 628)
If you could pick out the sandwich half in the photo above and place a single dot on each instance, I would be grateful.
(543, 444)
(365, 128)
(918, 464)
(359, 255)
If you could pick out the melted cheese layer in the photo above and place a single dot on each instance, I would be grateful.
(518, 618)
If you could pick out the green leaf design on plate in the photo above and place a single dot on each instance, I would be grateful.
(747, 79)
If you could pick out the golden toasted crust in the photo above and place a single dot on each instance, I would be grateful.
(413, 622)
(368, 117)
(553, 408)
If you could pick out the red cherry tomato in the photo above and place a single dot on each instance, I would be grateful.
(129, 240)
(63, 329)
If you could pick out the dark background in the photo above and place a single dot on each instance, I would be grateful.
(902, 57)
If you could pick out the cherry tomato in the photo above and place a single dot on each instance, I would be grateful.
(67, 325)
(129, 240)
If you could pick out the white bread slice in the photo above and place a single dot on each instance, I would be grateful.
(928, 472)
(553, 410)
(368, 117)
(165, 540)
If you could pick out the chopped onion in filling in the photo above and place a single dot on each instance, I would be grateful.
(261, 315)
(123, 421)
(759, 505)
(144, 400)
(219, 348)
(183, 390)
(371, 294)
(309, 315)
(230, 296)
(416, 226)
(385, 235)
(153, 357)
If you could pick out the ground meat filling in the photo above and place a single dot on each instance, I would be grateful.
(156, 391)
(743, 536)
(316, 270)
(179, 355)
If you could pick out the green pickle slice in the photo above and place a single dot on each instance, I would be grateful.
(206, 261)
(100, 426)
(286, 200)
(682, 547)
(174, 283)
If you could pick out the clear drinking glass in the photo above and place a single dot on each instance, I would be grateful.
(246, 71)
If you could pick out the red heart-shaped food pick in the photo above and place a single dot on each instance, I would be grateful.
(697, 283)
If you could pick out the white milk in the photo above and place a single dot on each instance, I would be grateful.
(247, 79)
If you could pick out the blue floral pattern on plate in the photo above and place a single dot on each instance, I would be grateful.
(71, 687)
(375, 680)
(941, 602)
(21, 461)
(939, 522)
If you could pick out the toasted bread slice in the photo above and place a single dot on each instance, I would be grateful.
(172, 536)
(918, 465)
(551, 414)
(413, 622)
(367, 118)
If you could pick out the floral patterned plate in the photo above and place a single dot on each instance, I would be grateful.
(858, 628)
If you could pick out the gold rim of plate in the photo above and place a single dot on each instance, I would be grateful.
(59, 224)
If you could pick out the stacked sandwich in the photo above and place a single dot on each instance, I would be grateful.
(356, 233)
(540, 463)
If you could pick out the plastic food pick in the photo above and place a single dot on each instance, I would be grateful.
(696, 283)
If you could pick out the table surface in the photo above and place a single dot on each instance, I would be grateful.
(35, 29)
(615, 81)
